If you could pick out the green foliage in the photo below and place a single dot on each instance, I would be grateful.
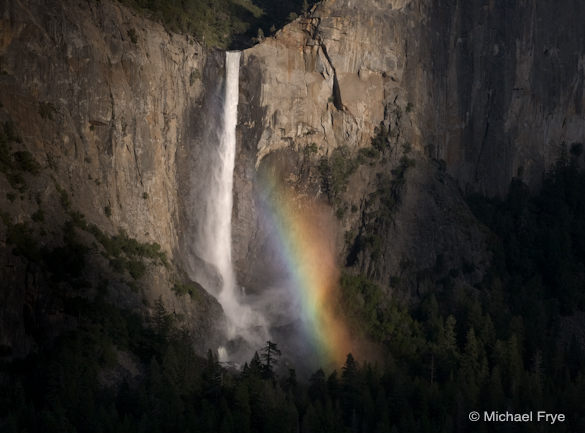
(24, 161)
(438, 372)
(78, 220)
(193, 76)
(136, 268)
(381, 140)
(389, 190)
(362, 300)
(213, 23)
(145, 195)
(366, 154)
(340, 212)
(310, 149)
(220, 23)
(270, 355)
(61, 384)
(503, 344)
(162, 320)
(370, 310)
(479, 353)
(125, 253)
(190, 288)
(335, 172)
(188, 393)
(380, 209)
(61, 263)
(503, 341)
(131, 247)
(63, 197)
(540, 243)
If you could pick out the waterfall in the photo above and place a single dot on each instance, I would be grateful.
(221, 221)
(220, 218)
(242, 321)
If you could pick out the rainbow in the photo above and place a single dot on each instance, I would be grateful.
(306, 242)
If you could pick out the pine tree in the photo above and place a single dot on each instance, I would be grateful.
(171, 368)
(270, 355)
(349, 389)
(333, 385)
(242, 411)
(317, 386)
(212, 376)
(311, 422)
(473, 366)
(162, 319)
(349, 369)
(290, 383)
(255, 368)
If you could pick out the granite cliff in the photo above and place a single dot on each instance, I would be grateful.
(472, 94)
(388, 112)
(103, 100)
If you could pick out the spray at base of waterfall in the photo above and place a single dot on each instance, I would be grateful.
(246, 328)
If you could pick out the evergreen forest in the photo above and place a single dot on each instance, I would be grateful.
(233, 24)
(508, 344)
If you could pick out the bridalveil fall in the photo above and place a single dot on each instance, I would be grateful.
(216, 244)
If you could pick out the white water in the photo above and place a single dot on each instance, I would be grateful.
(220, 219)
(242, 321)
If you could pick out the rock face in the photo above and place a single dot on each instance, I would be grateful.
(118, 96)
(460, 96)
(487, 89)
(512, 79)
(493, 87)
(105, 101)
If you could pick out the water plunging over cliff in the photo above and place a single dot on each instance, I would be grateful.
(241, 320)
(220, 217)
